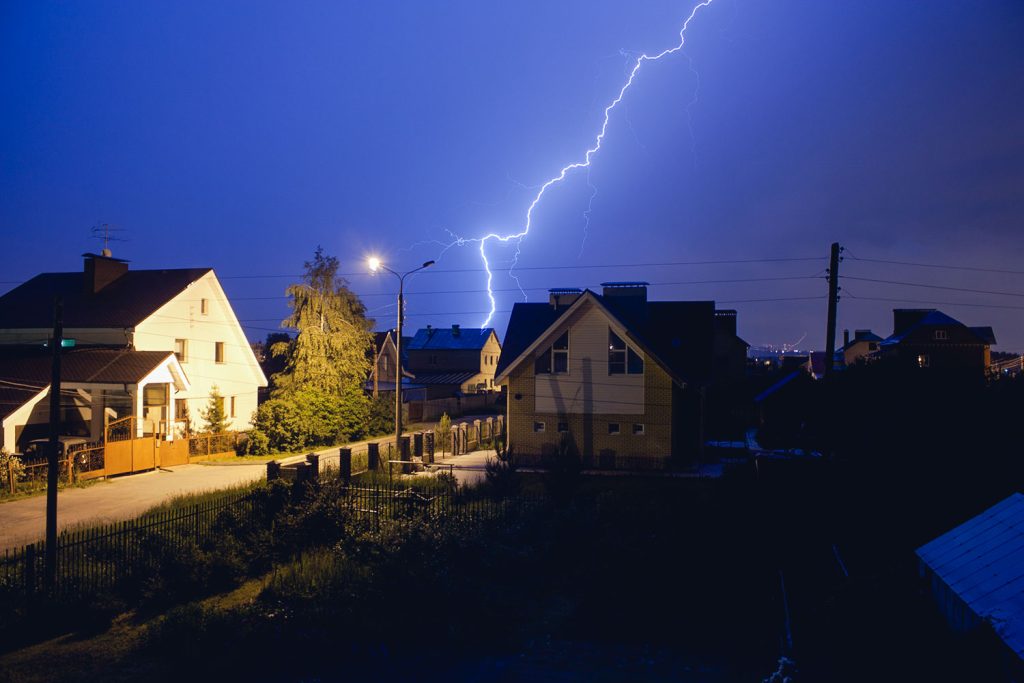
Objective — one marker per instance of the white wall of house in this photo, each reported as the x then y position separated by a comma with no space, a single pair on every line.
204,326
19,417
587,387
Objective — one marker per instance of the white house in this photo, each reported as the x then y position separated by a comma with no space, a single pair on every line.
181,313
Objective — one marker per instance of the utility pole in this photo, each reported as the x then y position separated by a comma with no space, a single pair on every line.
833,300
54,447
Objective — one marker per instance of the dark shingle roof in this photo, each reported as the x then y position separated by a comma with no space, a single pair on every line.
125,302
985,335
24,371
444,377
445,338
680,334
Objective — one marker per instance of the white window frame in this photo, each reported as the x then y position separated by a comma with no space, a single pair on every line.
614,429
941,335
539,426
639,429
183,356
204,307
219,352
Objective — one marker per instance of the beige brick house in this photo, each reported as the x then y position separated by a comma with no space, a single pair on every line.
618,375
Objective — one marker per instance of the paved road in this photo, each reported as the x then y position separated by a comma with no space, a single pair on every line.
24,521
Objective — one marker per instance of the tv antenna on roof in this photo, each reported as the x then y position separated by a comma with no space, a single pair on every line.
107,233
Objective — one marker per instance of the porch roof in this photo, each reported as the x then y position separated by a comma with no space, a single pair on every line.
25,371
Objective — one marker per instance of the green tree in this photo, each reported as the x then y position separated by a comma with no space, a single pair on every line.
214,418
329,352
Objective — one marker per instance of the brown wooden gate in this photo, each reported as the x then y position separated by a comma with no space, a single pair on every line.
171,453
130,455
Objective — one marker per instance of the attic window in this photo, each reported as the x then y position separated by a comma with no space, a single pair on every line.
204,306
941,335
554,360
622,359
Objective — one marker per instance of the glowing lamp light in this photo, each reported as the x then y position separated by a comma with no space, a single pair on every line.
374,263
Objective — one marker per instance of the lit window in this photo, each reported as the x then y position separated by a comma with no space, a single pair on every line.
621,358
613,428
180,349
538,426
218,352
638,429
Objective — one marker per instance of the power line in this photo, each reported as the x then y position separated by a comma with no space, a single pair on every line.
927,286
978,269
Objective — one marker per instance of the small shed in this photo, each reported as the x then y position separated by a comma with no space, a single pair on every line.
975,572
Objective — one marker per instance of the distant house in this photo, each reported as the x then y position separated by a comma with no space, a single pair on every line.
454,361
385,363
864,344
975,573
928,338
616,373
150,344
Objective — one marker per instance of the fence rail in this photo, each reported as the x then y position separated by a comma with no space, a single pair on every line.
98,559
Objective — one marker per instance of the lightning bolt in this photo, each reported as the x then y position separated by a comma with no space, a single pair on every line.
584,162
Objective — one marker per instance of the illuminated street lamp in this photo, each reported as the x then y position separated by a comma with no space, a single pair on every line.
376,266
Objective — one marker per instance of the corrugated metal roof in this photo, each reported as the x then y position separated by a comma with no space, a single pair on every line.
982,561
445,377
464,338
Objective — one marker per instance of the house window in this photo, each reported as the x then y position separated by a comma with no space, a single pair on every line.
218,352
563,427
154,395
941,335
232,413
613,428
923,361
621,358
433,360
181,350
204,306
181,409
638,429
384,363
554,360
538,427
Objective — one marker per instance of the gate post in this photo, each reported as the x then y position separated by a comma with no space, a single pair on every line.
314,466
403,455
373,456
345,464
273,470
428,447
417,444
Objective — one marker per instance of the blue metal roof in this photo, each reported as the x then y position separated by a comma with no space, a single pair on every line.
460,338
982,561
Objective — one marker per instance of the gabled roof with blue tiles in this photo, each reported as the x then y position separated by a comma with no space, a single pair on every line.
451,338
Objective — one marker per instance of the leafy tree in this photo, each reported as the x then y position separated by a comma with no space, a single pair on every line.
329,352
214,418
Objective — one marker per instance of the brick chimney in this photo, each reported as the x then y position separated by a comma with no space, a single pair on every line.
455,330
101,270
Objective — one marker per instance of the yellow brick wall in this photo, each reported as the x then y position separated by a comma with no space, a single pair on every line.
590,432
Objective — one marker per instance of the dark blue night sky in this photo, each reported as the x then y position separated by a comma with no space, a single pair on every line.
241,135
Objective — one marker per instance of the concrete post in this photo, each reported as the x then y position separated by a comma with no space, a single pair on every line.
314,466
273,470
404,454
428,447
417,444
345,464
476,433
373,456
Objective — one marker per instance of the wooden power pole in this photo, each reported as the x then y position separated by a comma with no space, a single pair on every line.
833,300
53,452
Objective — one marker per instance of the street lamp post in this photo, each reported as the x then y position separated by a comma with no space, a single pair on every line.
376,265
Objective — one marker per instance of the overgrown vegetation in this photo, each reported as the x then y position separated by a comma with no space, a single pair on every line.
215,418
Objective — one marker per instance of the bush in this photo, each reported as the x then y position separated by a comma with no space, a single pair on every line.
502,480
10,464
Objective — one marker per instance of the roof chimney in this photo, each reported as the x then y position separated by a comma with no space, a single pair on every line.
455,330
846,337
101,270
626,290
560,297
